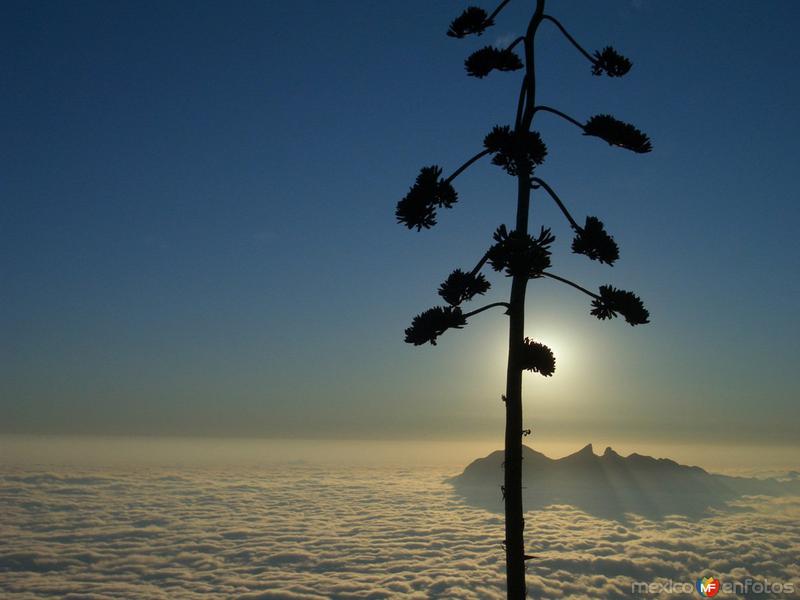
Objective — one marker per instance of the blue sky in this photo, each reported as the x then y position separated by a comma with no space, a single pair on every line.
197,228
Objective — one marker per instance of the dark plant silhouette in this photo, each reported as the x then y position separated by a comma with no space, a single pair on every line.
519,151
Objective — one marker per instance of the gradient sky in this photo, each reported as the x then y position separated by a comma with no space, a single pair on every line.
197,230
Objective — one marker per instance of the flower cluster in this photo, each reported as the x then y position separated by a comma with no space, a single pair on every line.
461,287
432,323
593,241
537,357
627,304
520,254
418,207
610,62
482,62
515,151
618,133
472,20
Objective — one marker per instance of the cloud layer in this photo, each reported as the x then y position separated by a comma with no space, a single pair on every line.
303,533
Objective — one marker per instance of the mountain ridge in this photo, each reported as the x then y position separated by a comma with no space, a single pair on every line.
614,483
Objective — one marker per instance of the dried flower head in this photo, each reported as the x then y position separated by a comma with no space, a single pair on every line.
610,62
593,241
627,304
617,133
538,358
461,287
432,323
418,207
515,151
520,254
440,191
482,62
472,20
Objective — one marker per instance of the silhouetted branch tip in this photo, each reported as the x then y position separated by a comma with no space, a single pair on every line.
520,254
418,207
432,323
413,211
472,20
482,62
461,287
538,358
593,241
618,133
610,62
516,152
627,304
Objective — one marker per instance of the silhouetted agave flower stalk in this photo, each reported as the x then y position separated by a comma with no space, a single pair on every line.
610,62
432,323
617,133
537,357
519,150
612,301
418,207
520,254
462,287
515,151
482,62
472,20
593,241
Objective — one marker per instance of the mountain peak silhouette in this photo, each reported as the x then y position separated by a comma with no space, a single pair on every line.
609,452
587,450
613,484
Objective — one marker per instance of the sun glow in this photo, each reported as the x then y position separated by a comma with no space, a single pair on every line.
560,346
564,348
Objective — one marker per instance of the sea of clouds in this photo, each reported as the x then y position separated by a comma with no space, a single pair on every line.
298,532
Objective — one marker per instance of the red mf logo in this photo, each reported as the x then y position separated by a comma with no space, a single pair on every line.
708,587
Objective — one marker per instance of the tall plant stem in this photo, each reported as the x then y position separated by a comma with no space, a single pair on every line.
515,522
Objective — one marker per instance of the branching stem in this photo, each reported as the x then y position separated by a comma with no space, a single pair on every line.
557,200
571,283
571,39
480,264
557,112
512,476
523,90
487,307
515,42
497,10
467,165
530,73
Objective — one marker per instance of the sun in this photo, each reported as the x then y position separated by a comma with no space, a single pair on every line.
559,343
563,346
